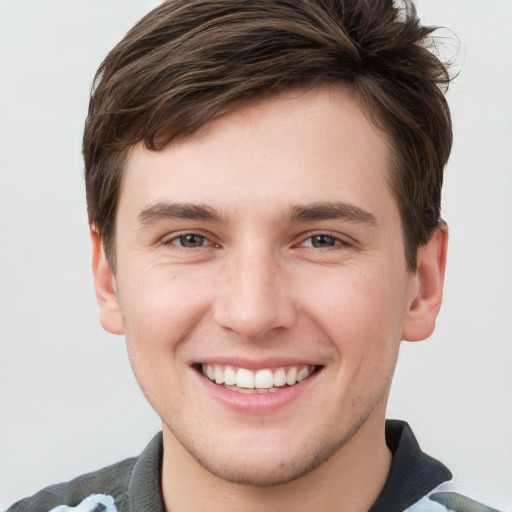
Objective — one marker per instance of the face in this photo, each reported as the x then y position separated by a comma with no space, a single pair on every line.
262,286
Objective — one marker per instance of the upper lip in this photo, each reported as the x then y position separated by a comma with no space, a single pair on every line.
256,364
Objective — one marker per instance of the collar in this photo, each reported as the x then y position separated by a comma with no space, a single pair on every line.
144,491
412,475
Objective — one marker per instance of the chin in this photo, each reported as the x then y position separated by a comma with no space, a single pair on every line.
265,464
263,473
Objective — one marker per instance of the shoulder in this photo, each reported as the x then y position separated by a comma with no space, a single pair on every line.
132,484
446,498
418,482
111,481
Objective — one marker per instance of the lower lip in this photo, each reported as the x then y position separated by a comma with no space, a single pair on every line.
255,403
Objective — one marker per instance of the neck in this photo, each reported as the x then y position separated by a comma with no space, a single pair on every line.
350,480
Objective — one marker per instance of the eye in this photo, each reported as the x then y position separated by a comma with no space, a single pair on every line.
322,241
189,240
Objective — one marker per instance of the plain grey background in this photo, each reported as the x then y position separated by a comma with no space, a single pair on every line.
68,401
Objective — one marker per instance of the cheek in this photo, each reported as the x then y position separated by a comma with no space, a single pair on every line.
160,308
160,311
361,312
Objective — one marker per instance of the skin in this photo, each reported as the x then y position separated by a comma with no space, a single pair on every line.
261,287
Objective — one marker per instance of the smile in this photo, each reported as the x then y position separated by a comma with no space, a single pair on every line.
264,380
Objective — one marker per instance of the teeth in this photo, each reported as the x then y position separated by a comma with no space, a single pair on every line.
219,375
280,377
261,381
229,376
244,378
303,374
291,376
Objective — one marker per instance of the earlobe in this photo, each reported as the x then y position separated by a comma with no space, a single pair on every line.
428,287
104,283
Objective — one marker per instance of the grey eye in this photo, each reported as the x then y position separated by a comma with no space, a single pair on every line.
191,240
323,241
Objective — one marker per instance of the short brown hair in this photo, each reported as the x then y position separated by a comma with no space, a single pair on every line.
190,61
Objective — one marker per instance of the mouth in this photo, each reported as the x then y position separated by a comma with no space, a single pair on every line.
263,380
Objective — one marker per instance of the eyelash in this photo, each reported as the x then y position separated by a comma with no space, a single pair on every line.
336,241
180,238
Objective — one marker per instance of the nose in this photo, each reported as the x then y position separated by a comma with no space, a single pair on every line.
254,298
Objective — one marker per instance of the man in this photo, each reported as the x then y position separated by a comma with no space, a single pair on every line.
263,183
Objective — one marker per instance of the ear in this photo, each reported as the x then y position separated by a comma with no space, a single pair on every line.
105,284
427,287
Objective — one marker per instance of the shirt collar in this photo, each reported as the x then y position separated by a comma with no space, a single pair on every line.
412,475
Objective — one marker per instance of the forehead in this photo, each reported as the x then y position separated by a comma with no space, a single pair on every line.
293,147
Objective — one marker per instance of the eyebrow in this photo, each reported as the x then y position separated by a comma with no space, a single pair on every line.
169,210
331,210
302,213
